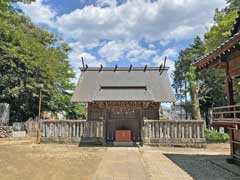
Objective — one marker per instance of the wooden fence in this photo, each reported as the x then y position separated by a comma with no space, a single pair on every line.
154,132
226,113
72,131
174,133
229,117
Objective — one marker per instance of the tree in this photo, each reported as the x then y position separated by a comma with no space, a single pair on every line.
32,59
182,66
194,89
184,74
220,31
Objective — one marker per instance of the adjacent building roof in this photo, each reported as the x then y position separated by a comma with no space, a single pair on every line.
123,84
214,56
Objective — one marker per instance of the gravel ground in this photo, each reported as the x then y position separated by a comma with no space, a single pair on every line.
206,167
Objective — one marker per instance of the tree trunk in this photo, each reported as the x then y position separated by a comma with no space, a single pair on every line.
195,102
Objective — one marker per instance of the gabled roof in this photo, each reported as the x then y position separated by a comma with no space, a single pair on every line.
216,54
123,84
226,47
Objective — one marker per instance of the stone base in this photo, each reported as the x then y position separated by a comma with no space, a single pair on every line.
125,144
176,142
19,133
81,141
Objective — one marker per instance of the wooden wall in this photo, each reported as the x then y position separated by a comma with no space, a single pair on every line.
99,110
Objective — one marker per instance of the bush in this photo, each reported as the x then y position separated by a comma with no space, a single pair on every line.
214,136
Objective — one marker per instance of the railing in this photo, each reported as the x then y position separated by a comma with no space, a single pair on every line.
174,132
226,113
71,129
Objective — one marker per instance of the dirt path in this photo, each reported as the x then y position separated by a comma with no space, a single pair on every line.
133,164
23,160
51,162
121,163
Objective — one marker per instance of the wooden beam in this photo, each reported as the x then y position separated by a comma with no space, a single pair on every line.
229,85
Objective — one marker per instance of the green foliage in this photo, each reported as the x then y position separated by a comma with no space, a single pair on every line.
182,66
191,77
32,59
212,82
212,89
214,136
221,30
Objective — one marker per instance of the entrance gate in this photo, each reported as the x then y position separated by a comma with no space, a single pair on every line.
123,119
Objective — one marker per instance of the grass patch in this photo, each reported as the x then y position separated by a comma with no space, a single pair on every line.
217,137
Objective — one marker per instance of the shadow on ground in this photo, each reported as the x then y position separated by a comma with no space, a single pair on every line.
206,167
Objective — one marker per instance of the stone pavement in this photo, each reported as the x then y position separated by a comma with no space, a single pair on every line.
121,163
160,167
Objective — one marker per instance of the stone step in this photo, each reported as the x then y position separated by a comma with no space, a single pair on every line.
124,144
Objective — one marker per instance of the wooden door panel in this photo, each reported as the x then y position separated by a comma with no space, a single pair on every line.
123,119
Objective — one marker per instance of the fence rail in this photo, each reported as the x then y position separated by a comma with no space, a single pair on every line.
226,113
155,132
64,130
174,132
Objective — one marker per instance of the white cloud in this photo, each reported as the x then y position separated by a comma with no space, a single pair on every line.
159,20
106,3
116,31
171,54
39,12
130,50
151,46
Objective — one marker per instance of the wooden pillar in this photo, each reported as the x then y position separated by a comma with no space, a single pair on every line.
229,86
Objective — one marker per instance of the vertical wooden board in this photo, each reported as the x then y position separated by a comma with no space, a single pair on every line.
175,131
231,135
153,130
161,130
80,129
66,129
236,135
182,131
77,129
198,130
202,129
70,129
55,129
74,129
51,130
179,130
190,130
44,129
149,130
98,126
62,129
59,129
92,129
145,130
157,129
102,129
169,129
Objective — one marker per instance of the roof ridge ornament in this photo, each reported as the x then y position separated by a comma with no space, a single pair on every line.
82,62
145,67
162,67
101,67
115,68
130,68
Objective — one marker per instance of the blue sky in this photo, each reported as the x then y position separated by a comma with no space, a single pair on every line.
124,32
